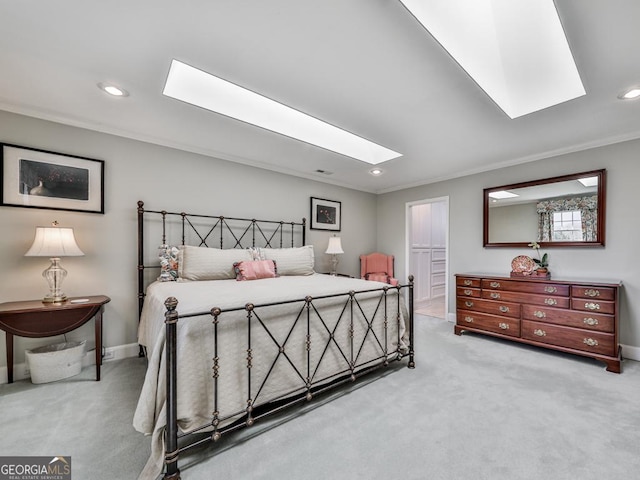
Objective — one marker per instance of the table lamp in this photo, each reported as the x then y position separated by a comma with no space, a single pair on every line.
54,242
334,249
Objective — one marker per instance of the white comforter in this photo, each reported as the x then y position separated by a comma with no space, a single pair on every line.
195,350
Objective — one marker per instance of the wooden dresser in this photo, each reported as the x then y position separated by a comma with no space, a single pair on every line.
579,317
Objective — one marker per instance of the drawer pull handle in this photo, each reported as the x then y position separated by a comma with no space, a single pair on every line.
468,291
550,289
495,284
504,308
591,342
503,326
468,282
592,306
539,314
494,295
468,319
468,304
550,301
591,321
540,333
591,292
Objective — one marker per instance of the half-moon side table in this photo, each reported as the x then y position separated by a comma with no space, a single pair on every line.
35,319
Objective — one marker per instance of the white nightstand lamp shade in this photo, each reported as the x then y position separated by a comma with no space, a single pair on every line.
54,242
334,249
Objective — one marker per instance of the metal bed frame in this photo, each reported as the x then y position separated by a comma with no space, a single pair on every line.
250,234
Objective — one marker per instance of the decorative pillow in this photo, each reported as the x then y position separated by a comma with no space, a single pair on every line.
202,263
378,277
168,256
292,261
255,269
256,253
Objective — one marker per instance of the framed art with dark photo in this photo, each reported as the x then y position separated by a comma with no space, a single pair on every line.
40,179
325,214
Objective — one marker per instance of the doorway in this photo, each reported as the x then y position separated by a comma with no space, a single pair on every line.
427,254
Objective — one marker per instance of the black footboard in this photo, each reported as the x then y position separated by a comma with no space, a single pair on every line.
378,333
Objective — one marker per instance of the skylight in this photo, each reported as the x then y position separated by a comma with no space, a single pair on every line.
501,194
515,50
202,89
589,181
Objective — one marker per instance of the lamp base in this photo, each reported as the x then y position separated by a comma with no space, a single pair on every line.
54,275
58,299
334,265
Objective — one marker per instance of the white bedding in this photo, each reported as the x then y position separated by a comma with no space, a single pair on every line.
195,345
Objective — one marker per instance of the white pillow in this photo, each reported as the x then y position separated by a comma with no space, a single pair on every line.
291,261
202,263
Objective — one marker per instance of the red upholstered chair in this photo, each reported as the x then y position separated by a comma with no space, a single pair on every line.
377,267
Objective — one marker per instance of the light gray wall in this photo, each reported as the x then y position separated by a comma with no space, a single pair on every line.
163,178
616,261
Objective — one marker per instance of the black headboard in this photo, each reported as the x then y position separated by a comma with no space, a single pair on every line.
216,231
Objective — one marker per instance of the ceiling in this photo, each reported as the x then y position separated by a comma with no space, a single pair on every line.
365,65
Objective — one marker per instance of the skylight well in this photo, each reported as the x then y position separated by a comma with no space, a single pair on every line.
515,50
202,89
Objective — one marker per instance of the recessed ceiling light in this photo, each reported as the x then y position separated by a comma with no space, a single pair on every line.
502,194
515,50
630,94
376,172
202,89
113,90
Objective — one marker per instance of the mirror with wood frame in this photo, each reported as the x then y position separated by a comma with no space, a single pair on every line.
564,211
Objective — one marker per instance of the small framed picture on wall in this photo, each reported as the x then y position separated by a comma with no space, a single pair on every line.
325,214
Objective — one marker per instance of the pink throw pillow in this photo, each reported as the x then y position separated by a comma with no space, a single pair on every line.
254,270
378,277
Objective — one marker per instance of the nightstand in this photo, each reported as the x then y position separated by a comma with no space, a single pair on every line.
35,319
338,274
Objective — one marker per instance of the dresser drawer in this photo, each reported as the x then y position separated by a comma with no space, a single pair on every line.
526,287
489,306
468,282
467,292
526,298
578,339
570,318
491,323
595,306
596,293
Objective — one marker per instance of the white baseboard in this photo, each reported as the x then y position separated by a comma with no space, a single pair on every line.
21,370
113,353
632,353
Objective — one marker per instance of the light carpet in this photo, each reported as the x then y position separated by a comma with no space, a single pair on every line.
474,408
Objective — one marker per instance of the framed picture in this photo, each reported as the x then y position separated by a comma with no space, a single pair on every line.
325,214
40,179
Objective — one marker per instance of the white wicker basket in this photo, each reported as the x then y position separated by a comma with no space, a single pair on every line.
55,362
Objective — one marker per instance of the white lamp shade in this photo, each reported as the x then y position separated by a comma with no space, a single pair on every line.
335,246
54,242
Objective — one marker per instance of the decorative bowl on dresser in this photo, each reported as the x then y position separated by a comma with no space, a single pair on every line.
579,317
